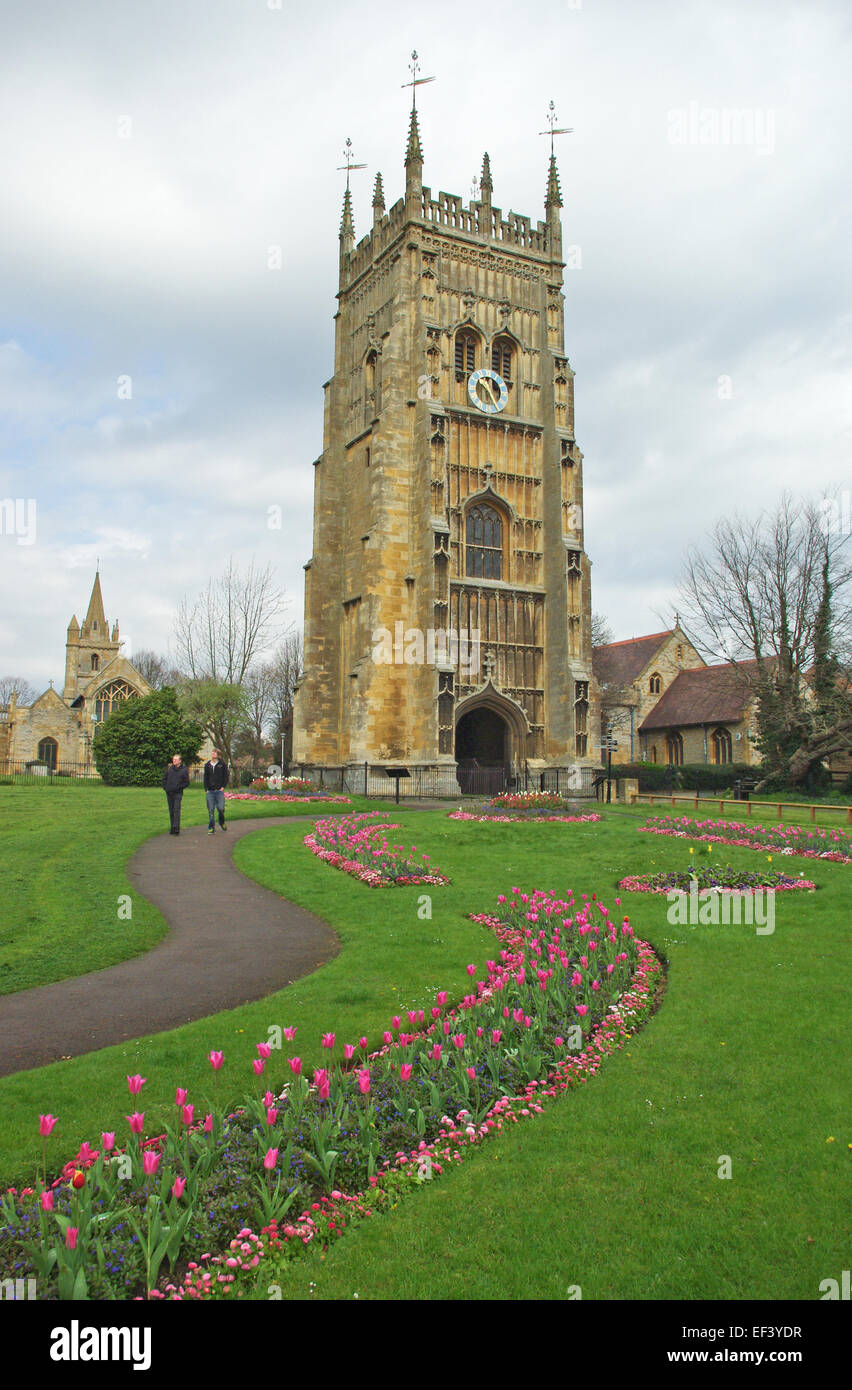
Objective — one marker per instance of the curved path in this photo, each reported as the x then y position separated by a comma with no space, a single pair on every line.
230,942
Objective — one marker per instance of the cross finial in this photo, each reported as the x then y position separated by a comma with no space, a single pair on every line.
553,128
414,68
474,188
349,156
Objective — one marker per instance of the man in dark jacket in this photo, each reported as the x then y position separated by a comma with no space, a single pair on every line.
215,782
175,782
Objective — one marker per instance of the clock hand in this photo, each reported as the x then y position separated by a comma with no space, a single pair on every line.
483,381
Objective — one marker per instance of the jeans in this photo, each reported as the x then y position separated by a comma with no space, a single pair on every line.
216,802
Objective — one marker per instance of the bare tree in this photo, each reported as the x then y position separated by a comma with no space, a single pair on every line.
775,593
259,687
156,669
287,666
230,625
26,693
601,631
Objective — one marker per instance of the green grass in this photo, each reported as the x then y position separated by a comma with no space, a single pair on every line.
615,1188
64,858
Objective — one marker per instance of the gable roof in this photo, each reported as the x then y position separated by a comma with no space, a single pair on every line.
704,695
619,663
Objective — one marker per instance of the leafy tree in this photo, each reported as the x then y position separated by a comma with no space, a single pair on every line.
133,746
220,707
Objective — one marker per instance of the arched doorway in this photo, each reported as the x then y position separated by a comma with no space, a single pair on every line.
482,735
490,742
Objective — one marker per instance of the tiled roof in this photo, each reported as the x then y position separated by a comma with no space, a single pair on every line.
704,695
619,663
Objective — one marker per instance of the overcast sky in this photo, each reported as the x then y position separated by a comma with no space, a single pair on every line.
151,154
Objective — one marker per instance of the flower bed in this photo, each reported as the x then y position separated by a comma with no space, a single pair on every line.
357,845
723,880
835,845
569,987
535,818
292,798
282,784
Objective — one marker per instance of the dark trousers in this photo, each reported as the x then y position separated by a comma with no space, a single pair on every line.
174,799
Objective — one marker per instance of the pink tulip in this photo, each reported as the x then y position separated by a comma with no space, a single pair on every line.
349,1051
320,1076
362,1043
187,1114
496,1035
108,1140
216,1059
270,1158
177,1187
208,1124
47,1201
46,1123
458,1040
180,1096
471,969
296,1066
435,1054
582,1009
150,1162
396,1021
289,1033
258,1063
327,1040
271,1115
135,1084
387,1038
136,1121
268,1099
86,1154
363,1082
71,1233
405,1071
441,998
263,1050
471,1071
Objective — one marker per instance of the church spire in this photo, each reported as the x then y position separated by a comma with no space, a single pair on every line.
554,192
95,620
414,150
347,226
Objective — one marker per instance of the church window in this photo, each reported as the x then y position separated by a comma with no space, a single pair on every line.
110,696
95,661
466,346
581,717
502,359
484,543
372,385
48,752
655,684
722,746
674,749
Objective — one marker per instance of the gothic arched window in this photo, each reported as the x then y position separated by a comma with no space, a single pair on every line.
723,751
503,359
674,749
484,542
467,344
95,661
48,752
112,695
655,684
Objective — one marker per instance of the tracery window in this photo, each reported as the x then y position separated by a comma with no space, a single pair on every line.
48,752
674,749
484,542
112,695
723,751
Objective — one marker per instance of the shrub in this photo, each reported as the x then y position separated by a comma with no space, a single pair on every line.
133,746
690,777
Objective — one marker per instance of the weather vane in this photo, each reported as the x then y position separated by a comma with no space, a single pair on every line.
349,156
554,129
414,68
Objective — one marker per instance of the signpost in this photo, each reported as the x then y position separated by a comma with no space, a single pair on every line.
608,745
397,773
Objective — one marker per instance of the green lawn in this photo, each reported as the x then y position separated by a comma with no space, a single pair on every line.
615,1188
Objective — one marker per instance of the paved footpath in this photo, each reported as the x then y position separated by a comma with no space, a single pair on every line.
230,942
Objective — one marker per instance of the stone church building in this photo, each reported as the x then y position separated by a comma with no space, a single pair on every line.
56,731
447,600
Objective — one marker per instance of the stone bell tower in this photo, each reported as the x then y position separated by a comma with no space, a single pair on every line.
447,600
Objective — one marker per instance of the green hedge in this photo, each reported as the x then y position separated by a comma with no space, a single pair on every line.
690,777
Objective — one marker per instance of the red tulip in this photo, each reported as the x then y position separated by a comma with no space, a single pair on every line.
78,1180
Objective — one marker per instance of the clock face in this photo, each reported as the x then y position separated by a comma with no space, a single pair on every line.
488,391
